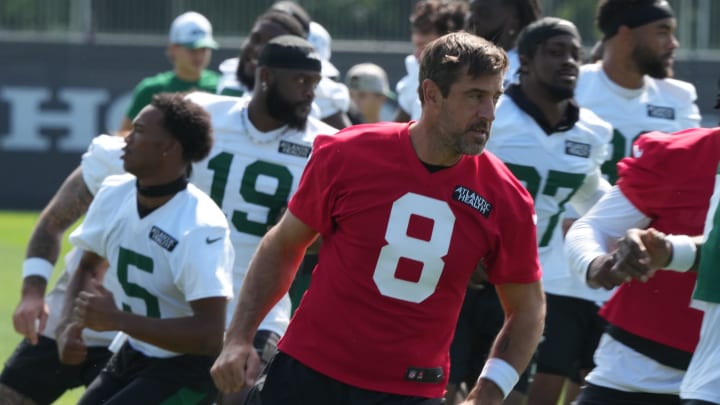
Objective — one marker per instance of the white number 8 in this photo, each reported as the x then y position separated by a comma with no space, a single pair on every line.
430,253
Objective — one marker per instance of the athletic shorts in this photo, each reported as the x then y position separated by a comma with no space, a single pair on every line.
597,395
36,371
288,381
481,318
131,377
572,332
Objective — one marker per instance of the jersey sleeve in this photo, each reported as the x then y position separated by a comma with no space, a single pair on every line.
91,234
204,268
331,97
313,201
516,259
101,160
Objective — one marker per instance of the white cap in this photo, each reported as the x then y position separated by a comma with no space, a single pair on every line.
320,39
192,30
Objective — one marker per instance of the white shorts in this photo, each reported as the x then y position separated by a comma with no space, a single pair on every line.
702,380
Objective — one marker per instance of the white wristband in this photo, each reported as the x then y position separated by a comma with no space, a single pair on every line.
683,253
36,266
501,373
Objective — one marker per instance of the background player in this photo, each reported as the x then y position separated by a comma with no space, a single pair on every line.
556,150
170,259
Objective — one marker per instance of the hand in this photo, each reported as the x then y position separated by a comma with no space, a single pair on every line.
601,273
30,316
95,309
485,392
71,347
644,251
236,367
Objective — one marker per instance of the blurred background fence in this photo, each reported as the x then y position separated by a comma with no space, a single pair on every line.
347,20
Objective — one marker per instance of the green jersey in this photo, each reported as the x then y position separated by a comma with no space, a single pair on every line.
168,82
708,280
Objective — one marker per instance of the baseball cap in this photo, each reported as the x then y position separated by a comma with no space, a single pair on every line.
320,39
192,30
368,77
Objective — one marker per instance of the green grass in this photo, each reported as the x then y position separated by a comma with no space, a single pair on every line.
15,228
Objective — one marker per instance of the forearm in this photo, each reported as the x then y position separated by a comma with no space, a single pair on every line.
188,335
90,268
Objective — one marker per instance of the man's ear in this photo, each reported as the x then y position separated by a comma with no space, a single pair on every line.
263,74
524,62
431,92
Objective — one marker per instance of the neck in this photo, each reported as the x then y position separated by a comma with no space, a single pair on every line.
151,195
622,70
423,138
259,117
553,111
187,75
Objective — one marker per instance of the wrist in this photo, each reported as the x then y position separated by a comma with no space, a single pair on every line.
682,253
37,266
501,373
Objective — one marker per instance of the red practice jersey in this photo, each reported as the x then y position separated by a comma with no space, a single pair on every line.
670,179
399,246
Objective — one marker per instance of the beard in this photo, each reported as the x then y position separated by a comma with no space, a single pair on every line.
558,93
649,63
247,81
283,110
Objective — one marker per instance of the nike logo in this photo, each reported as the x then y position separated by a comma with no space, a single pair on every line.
209,241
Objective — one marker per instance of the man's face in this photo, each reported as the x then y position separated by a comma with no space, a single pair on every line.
263,31
487,19
190,61
146,143
420,39
368,103
290,95
555,66
467,113
654,51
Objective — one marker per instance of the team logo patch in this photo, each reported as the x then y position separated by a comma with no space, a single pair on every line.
294,149
472,199
163,239
656,111
577,149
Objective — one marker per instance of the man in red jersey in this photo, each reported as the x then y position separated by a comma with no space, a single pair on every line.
652,331
407,212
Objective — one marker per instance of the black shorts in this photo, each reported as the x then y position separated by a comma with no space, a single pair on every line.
130,377
597,395
288,381
481,317
572,332
36,371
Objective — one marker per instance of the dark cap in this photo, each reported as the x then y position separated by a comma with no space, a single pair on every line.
539,31
290,52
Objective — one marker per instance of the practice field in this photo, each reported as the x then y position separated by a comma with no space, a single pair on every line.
15,228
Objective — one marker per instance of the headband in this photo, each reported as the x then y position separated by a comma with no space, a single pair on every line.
542,29
636,15
290,52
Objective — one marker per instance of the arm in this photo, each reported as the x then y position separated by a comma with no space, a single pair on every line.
69,203
591,238
269,276
71,348
524,306
199,334
649,250
401,116
338,120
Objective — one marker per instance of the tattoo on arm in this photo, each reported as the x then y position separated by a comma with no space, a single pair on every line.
70,202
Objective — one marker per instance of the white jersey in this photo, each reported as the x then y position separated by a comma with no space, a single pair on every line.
100,161
228,85
511,75
251,175
560,168
407,89
666,105
159,263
